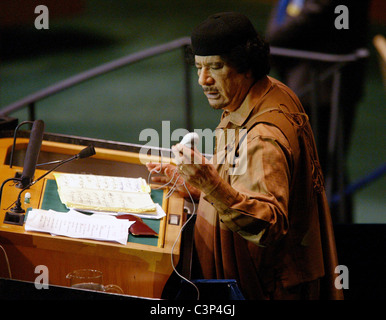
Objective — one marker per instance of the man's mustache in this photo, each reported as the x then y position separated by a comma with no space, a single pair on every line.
209,89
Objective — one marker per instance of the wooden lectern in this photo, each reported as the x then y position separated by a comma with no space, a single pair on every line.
141,267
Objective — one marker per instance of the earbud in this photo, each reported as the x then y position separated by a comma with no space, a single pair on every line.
189,139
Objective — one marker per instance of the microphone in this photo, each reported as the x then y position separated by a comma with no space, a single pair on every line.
32,154
86,152
15,216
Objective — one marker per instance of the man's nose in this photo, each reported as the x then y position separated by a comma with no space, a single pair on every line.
205,79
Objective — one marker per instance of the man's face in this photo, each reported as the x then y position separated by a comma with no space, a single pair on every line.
224,87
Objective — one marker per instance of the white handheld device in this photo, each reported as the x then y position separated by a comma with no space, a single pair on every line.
190,139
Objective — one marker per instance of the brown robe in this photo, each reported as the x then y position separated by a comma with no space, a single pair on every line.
266,223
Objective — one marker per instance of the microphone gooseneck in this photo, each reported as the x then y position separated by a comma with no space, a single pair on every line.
32,154
85,153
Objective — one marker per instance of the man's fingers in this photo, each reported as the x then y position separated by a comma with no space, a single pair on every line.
160,179
151,165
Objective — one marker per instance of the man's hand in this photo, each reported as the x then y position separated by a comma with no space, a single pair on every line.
169,175
195,168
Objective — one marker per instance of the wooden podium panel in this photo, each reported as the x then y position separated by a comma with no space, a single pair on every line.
139,269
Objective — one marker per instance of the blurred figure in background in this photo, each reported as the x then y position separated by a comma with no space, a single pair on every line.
310,25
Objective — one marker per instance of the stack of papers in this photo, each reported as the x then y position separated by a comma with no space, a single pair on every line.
104,193
77,225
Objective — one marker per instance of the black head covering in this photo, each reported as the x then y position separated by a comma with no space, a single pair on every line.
221,32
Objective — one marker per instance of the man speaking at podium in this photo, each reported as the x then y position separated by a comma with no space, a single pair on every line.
268,226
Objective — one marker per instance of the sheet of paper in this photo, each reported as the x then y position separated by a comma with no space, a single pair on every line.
105,193
107,200
159,214
77,225
96,182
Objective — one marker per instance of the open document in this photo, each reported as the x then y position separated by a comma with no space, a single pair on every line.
77,225
105,193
